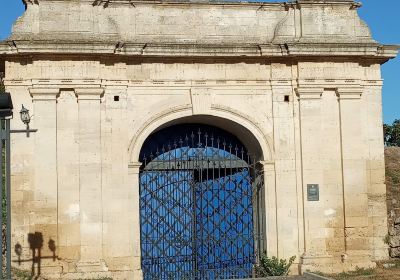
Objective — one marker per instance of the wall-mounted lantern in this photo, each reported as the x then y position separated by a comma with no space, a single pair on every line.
25,118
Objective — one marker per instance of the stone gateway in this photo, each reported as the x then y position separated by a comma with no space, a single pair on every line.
183,139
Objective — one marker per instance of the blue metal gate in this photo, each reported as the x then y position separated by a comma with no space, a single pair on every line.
196,207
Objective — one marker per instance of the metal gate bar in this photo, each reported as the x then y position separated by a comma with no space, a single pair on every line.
196,209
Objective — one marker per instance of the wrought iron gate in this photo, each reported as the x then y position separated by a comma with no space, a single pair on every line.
196,206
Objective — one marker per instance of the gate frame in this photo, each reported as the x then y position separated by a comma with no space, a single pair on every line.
248,132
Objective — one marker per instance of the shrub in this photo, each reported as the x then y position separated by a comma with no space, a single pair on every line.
273,266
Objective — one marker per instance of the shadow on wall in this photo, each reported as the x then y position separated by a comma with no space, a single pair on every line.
36,245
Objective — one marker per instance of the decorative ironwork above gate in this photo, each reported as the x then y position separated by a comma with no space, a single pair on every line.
197,195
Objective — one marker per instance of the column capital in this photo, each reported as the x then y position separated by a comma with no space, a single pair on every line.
89,93
268,165
134,167
44,93
309,92
349,92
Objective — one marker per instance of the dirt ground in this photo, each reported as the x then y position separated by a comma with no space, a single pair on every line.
379,274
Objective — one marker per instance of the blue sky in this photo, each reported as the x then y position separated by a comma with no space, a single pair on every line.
381,15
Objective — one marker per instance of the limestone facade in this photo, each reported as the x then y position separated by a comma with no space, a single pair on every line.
299,83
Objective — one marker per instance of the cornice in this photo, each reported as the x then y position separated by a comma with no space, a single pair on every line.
88,93
106,3
268,166
290,50
5,48
327,2
44,93
134,167
93,84
331,83
309,93
350,92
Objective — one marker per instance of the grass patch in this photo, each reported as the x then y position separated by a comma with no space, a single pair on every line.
21,274
392,264
364,272
357,272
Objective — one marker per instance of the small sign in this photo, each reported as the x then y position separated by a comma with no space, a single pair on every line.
312,192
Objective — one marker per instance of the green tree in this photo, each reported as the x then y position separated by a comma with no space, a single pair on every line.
392,134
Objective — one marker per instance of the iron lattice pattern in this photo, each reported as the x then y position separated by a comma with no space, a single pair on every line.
196,207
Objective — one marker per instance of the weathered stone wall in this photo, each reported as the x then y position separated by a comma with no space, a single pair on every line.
312,104
392,159
318,112
191,22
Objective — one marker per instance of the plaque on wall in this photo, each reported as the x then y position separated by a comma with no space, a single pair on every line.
312,192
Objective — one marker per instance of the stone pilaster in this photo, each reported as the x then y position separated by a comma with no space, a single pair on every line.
271,224
133,178
68,177
354,152
377,212
285,170
310,109
90,192
43,212
119,191
45,118
321,165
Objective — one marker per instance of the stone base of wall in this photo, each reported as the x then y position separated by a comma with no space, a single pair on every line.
115,275
81,275
64,269
394,235
334,264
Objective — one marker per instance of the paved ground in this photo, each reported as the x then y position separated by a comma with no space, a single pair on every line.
307,276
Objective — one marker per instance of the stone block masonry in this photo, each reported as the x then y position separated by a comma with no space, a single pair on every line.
298,83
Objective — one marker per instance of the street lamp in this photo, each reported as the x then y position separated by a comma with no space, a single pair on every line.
25,118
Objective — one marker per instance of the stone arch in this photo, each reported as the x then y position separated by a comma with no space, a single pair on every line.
246,129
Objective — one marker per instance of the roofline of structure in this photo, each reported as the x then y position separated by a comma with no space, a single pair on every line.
107,3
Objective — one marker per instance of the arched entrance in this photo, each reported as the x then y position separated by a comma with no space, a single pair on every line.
199,205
